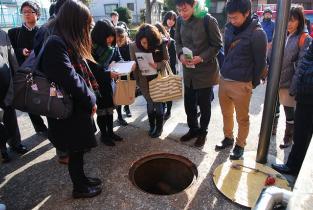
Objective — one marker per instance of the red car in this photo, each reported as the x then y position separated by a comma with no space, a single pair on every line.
308,14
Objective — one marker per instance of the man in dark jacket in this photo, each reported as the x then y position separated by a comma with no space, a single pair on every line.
200,71
268,25
303,129
22,39
9,131
245,50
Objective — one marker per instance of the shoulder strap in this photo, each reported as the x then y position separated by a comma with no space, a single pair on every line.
302,39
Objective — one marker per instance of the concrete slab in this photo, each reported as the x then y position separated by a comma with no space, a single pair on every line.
36,180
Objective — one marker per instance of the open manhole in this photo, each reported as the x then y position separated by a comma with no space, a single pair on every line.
163,174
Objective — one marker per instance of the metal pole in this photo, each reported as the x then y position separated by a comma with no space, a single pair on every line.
273,81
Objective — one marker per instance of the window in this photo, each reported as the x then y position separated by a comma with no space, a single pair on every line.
131,6
109,8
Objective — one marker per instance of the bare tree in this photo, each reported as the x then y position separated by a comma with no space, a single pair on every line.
149,4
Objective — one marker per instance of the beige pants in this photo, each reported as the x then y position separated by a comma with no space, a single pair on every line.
235,95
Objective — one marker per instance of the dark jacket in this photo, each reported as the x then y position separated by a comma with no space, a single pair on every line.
269,27
8,65
41,35
292,55
102,75
192,34
22,38
245,53
77,132
305,78
124,51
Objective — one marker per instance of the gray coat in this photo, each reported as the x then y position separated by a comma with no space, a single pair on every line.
292,55
8,56
143,81
192,34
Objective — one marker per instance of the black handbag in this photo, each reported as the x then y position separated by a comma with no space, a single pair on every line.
35,94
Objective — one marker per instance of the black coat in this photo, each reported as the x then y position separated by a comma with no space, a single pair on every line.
105,99
77,132
103,78
22,38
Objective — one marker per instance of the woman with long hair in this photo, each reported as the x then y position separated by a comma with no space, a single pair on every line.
297,43
169,22
149,40
64,62
105,53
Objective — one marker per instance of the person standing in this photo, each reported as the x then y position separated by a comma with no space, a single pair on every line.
303,129
296,44
9,130
149,40
114,19
64,62
22,39
245,50
191,33
105,53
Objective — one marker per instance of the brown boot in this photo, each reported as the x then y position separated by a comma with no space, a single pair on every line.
275,123
288,136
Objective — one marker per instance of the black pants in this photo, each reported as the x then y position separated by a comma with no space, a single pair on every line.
201,98
76,170
302,135
3,137
38,123
11,126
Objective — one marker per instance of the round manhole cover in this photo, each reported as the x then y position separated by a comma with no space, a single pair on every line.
163,174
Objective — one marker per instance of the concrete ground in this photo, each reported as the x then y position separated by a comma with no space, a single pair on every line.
36,180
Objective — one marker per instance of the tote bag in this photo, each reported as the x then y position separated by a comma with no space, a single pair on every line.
167,87
124,93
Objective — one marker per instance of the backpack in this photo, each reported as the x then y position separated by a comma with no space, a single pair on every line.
220,55
302,39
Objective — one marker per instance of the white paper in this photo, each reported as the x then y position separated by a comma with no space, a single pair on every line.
143,60
188,55
122,67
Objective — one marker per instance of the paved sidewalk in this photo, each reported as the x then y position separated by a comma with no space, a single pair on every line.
36,180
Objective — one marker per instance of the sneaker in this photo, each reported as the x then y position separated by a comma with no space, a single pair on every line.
122,122
188,136
93,181
236,153
227,142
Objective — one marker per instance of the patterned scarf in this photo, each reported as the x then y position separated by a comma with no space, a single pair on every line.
83,69
102,55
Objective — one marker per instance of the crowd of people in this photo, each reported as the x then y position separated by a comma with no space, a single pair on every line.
77,54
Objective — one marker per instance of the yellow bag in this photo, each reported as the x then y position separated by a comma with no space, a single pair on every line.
167,87
124,93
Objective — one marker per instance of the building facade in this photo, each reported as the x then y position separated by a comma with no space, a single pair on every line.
102,8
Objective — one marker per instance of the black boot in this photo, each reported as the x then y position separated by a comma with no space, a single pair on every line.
111,134
159,127
103,123
127,111
120,119
167,115
151,118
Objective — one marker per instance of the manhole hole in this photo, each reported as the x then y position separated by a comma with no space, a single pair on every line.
163,174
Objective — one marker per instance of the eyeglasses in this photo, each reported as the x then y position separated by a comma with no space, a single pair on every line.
28,12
